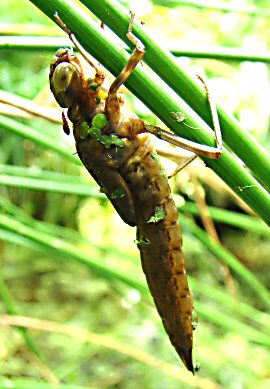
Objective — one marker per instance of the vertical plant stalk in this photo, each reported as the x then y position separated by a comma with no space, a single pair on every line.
113,14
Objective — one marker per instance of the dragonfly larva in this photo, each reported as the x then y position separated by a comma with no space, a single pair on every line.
117,151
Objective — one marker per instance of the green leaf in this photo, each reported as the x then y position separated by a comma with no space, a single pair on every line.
99,121
159,215
118,194
83,130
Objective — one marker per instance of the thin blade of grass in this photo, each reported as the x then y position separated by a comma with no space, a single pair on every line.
12,309
246,222
38,137
218,296
39,240
50,44
224,255
20,383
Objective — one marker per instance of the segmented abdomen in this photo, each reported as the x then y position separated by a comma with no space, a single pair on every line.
135,169
160,245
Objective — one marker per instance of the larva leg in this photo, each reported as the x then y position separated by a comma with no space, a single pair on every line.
213,109
100,75
203,150
113,103
181,161
133,61
182,165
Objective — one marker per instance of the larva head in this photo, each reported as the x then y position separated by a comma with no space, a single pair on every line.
65,77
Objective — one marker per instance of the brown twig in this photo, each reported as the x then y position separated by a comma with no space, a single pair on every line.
30,107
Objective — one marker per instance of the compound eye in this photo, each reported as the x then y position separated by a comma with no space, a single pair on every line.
62,76
63,83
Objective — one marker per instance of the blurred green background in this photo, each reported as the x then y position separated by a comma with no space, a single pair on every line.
66,256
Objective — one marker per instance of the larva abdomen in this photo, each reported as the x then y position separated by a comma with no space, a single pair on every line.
159,240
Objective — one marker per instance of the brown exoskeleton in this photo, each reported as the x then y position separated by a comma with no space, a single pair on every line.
117,151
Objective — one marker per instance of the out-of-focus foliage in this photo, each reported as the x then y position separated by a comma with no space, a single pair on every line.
44,279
